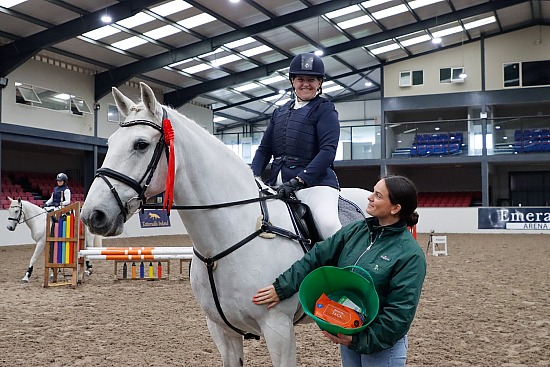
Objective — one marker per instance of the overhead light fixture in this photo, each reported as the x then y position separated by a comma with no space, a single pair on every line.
3,82
318,52
368,83
106,18
436,40
463,75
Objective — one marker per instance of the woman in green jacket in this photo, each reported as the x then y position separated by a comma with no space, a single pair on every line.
384,247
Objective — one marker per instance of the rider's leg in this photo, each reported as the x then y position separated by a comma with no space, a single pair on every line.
323,203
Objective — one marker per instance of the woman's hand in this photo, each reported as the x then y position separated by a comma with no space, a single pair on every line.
338,339
267,296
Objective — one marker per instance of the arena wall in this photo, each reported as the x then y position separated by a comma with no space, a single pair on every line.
439,220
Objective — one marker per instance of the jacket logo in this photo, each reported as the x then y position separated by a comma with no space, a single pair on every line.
385,258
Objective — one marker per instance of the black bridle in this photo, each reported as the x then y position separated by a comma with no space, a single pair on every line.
18,219
139,186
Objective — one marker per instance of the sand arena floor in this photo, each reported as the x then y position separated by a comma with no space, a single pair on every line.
486,304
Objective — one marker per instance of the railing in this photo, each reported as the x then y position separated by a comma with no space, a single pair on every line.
416,140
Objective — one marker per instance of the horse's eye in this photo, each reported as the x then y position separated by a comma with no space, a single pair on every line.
141,145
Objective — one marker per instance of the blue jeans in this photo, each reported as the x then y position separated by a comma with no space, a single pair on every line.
396,356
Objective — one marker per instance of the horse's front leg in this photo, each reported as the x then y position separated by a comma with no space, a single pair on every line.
278,331
230,344
37,251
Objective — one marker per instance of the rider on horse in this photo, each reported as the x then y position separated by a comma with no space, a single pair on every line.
61,195
302,137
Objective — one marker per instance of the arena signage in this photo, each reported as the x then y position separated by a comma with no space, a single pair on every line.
514,218
153,218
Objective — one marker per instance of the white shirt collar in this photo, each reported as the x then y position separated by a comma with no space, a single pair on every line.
299,104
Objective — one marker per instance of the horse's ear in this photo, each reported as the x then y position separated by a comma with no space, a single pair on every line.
148,98
10,199
19,200
123,103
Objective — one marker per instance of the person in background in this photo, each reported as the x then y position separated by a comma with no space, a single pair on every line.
61,195
383,246
302,137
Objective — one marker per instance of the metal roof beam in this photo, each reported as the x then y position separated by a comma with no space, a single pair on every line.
180,97
105,80
14,54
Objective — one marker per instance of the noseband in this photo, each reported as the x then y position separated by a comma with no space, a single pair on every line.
18,219
139,186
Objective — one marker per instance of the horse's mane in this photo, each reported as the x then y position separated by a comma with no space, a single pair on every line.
211,140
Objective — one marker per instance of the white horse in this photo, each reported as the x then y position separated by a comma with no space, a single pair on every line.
22,211
232,258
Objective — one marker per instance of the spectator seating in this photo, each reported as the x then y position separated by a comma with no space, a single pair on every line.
531,140
437,144
33,187
447,199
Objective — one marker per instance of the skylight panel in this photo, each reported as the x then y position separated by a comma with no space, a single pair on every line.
241,42
480,22
196,20
100,33
344,11
249,86
420,3
129,43
415,40
225,60
333,89
354,22
448,31
180,62
10,3
282,101
394,10
218,119
197,68
170,8
63,96
256,51
136,20
388,48
371,3
216,51
272,80
162,32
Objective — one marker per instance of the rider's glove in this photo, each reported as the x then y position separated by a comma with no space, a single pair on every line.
289,187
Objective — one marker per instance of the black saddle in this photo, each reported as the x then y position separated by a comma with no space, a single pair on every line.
348,212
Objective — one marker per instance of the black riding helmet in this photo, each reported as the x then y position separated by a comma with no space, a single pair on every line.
61,177
307,64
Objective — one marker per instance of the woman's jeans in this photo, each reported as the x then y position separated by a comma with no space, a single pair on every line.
396,356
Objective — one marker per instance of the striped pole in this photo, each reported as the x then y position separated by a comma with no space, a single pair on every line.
139,257
136,251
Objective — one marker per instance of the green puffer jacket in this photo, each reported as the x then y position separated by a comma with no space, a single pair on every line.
394,260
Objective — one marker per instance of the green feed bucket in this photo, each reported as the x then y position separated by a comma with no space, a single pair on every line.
353,282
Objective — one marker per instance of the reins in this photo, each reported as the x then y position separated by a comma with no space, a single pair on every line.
264,195
19,221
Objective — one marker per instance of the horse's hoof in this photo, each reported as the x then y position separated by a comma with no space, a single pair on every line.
88,272
24,280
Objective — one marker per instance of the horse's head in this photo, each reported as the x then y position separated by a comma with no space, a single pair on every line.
15,213
134,168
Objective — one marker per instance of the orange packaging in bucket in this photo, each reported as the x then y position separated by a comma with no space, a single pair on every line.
336,313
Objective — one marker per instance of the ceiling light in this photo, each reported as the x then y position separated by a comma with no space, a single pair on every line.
463,75
368,83
234,1
436,40
319,52
106,19
282,91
